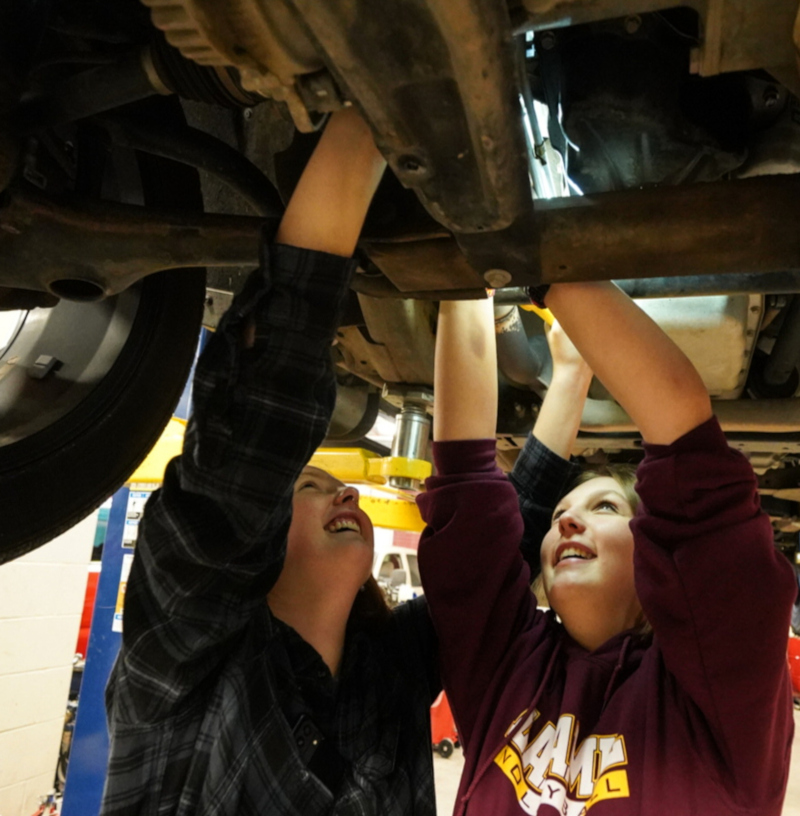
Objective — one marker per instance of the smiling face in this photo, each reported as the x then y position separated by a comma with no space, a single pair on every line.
330,537
587,559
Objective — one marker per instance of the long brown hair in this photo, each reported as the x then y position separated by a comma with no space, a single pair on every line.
370,612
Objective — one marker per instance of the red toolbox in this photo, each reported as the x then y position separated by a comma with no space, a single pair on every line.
794,664
444,736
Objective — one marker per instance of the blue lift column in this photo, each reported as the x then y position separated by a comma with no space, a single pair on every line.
86,771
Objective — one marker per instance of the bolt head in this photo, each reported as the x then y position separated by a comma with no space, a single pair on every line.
548,40
632,24
771,96
497,278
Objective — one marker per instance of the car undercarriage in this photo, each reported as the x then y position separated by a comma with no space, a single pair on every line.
530,142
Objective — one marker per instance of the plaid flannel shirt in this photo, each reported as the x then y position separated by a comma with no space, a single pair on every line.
207,686
540,478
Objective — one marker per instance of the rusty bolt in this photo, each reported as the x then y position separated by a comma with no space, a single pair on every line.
548,40
497,278
632,24
771,96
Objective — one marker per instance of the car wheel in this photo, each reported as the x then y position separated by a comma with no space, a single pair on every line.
87,387
71,437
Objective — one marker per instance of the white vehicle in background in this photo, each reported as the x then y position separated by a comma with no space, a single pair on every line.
395,569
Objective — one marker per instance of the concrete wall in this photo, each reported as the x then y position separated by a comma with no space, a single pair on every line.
41,600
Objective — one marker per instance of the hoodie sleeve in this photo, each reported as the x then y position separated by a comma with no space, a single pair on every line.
476,582
719,597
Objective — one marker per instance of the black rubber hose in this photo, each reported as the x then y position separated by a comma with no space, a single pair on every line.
197,149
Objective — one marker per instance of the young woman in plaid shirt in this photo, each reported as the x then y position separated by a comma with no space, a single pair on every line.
255,677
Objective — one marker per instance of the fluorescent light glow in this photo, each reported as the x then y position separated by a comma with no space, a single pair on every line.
382,431
9,321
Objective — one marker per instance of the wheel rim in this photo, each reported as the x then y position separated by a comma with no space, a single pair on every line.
83,340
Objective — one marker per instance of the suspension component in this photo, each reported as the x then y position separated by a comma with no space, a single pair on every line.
412,430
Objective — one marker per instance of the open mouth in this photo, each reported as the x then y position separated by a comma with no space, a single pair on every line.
340,524
571,552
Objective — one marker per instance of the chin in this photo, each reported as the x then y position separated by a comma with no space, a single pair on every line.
562,593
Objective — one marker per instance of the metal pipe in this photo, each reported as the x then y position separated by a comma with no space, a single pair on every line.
785,355
190,146
410,441
515,356
719,228
773,283
714,228
768,416
535,142
96,249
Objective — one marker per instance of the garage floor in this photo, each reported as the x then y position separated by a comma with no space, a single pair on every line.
448,772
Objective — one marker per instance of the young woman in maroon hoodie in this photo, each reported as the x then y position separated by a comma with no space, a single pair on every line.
586,710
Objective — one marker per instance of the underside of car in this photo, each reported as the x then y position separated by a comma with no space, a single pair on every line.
145,147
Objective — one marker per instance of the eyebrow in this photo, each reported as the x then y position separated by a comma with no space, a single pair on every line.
599,494
311,472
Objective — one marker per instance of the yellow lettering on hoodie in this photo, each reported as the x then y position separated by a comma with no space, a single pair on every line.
549,768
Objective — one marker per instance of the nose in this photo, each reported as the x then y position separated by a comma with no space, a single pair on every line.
347,494
570,524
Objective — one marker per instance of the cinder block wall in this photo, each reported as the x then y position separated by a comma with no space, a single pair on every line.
41,600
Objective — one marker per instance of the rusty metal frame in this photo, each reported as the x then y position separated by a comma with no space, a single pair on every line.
748,225
90,250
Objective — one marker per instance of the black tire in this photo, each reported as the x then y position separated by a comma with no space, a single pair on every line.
445,748
53,478
66,447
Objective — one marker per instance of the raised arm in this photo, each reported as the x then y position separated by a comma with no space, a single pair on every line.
476,584
542,472
213,538
465,374
559,417
329,204
647,373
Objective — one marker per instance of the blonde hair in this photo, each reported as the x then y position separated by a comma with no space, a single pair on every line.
624,475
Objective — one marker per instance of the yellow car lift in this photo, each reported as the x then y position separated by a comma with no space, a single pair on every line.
398,511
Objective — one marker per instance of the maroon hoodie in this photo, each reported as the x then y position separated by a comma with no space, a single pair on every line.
696,719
